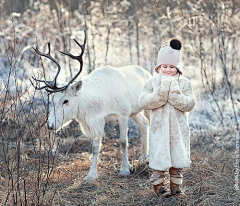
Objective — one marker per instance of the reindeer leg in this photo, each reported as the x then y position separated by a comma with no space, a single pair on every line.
92,175
142,121
123,126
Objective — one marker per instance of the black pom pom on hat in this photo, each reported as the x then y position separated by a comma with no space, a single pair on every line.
175,44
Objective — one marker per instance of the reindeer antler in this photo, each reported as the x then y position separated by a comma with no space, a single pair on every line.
51,86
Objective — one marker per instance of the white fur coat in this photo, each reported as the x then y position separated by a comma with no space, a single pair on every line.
169,137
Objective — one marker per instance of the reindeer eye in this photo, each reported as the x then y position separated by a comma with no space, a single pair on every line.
65,101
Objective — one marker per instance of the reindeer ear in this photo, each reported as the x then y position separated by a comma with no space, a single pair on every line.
76,87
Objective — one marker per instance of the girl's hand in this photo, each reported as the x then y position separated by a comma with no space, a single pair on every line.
165,85
181,99
174,88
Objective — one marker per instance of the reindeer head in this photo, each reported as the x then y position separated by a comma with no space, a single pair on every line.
62,103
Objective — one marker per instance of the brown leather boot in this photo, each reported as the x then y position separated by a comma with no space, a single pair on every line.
157,180
176,180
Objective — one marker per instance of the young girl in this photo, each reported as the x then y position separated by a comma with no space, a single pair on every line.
169,96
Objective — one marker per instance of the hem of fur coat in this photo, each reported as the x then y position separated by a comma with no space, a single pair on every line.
167,168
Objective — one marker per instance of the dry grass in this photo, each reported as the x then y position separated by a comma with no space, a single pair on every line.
209,181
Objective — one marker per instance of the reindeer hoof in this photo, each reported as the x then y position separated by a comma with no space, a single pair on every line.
90,177
125,171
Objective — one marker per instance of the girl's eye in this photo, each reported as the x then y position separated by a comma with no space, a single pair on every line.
65,101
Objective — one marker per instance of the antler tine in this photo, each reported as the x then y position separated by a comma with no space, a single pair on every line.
50,84
56,90
47,83
38,80
79,57
82,46
37,88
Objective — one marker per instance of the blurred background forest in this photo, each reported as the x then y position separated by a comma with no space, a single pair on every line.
129,32
119,32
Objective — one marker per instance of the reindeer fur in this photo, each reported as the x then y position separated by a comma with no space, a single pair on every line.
107,94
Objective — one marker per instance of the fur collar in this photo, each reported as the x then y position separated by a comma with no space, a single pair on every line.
158,77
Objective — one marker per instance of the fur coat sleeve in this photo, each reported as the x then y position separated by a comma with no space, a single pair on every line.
181,99
152,99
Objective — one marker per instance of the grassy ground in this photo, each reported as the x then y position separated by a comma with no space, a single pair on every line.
209,181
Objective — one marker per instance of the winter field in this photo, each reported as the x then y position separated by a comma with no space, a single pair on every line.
42,167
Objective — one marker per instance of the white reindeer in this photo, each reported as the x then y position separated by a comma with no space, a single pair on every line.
105,95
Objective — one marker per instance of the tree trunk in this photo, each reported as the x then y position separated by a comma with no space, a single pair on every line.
129,41
86,28
137,42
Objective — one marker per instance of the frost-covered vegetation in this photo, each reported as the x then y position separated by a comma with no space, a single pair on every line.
119,32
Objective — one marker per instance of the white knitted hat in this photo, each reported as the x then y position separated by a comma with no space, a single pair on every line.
170,54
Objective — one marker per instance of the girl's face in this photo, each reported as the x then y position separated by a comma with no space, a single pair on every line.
168,69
